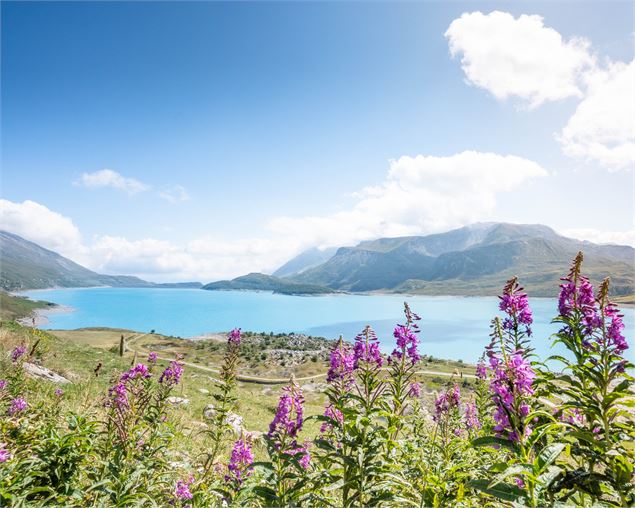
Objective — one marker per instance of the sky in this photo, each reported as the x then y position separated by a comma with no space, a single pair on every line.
199,141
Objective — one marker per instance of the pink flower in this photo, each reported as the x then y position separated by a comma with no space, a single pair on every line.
152,357
289,415
172,374
415,390
4,453
182,489
138,371
234,337
18,405
241,458
59,392
333,413
17,353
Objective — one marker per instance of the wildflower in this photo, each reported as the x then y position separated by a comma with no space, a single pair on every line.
366,349
447,401
234,337
407,342
3,384
415,390
152,357
5,455
138,371
59,392
118,396
182,489
17,405
342,364
481,370
172,374
305,456
289,415
17,353
241,458
470,417
335,414
614,330
511,384
576,295
516,305
520,482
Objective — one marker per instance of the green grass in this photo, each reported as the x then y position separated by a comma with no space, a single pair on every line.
16,307
76,354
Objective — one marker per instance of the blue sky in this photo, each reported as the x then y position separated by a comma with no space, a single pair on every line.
239,134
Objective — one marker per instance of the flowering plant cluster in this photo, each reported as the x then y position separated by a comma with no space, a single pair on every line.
519,432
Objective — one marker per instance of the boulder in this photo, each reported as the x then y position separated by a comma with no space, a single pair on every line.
178,401
40,372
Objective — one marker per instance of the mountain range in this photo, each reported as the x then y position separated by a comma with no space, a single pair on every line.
26,265
472,260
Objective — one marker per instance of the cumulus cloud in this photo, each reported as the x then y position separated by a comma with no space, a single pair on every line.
602,129
601,236
37,223
110,178
422,194
176,194
518,57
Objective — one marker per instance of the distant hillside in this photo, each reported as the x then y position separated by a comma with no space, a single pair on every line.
474,260
304,261
26,265
261,282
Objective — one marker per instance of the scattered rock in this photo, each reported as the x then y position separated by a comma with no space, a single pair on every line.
253,435
43,373
178,401
233,420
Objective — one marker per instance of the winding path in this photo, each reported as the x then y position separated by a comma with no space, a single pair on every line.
277,381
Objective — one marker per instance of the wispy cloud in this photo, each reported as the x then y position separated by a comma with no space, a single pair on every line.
176,194
110,178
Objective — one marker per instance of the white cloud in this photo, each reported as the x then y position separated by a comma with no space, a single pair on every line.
518,57
602,129
422,194
601,236
176,194
110,178
37,223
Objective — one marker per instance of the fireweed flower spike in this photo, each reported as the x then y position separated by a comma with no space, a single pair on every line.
241,458
289,415
341,364
172,374
366,349
17,406
17,353
4,453
182,489
234,337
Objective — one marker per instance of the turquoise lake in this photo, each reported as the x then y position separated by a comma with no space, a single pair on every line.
451,327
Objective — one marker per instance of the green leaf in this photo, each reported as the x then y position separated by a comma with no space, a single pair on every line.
500,491
495,441
548,455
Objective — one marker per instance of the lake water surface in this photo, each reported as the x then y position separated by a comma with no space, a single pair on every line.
451,327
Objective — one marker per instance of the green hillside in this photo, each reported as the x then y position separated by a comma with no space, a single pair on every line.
262,282
474,260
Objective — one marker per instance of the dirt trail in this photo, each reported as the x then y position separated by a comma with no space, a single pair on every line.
275,381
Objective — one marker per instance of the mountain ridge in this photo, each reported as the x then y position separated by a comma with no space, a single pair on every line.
27,265
473,259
